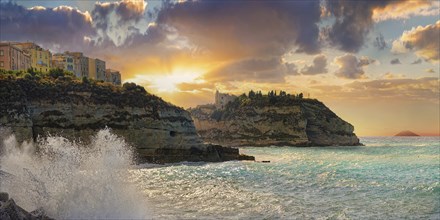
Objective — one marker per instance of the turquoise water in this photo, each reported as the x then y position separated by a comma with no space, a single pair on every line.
389,178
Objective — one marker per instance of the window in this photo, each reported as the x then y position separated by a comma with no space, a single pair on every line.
1,53
2,64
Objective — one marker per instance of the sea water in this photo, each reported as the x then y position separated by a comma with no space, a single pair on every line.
388,178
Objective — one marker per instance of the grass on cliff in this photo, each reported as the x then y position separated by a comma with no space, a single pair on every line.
62,86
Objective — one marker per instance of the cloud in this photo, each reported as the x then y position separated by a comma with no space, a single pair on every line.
353,23
380,42
418,61
259,28
270,70
116,21
291,69
48,26
430,70
389,75
355,19
395,61
189,87
319,66
386,89
351,67
422,40
406,9
246,39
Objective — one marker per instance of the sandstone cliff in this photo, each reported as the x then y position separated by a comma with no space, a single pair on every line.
161,132
265,121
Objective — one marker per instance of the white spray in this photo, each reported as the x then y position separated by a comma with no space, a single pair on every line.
72,180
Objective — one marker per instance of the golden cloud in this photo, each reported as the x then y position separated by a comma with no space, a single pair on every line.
406,9
423,40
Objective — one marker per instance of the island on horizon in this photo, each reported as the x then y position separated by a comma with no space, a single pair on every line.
406,133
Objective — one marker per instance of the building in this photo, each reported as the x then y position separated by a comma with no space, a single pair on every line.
113,76
96,69
92,68
81,64
13,57
63,61
100,69
221,99
40,58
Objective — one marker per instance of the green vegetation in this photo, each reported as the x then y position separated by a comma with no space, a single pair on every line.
62,86
257,99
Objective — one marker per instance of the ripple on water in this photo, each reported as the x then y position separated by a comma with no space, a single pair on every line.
393,182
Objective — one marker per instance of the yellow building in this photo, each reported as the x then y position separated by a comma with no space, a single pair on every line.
40,58
92,68
63,61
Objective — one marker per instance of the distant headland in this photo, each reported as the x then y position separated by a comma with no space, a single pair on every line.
278,118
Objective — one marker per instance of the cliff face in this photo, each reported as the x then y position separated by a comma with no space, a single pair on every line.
160,132
301,122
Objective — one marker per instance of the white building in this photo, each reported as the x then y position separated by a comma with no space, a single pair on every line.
221,99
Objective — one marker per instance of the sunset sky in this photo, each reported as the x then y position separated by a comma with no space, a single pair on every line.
374,63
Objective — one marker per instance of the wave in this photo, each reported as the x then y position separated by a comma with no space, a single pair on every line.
69,179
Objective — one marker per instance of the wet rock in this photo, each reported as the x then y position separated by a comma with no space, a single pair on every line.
9,210
4,197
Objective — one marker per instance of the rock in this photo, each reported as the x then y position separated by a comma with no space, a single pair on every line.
160,131
40,214
246,157
4,197
290,122
11,211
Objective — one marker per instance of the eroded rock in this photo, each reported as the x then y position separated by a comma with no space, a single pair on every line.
288,122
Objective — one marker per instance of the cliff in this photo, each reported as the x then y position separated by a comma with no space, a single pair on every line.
160,132
278,120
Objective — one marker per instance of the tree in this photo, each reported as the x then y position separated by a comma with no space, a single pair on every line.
56,73
133,87
251,94
85,80
300,96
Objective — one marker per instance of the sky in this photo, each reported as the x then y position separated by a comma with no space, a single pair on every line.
374,63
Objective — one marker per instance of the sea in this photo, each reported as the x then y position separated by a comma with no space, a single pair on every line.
387,178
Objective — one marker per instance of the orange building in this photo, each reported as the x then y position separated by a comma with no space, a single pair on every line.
13,57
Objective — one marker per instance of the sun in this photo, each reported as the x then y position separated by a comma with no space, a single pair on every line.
168,83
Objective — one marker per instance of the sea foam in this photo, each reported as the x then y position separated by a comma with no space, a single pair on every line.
71,179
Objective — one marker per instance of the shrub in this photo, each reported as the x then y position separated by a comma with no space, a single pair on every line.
28,76
56,73
85,80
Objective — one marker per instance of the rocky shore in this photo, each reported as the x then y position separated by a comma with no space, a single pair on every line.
160,131
11,211
278,120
